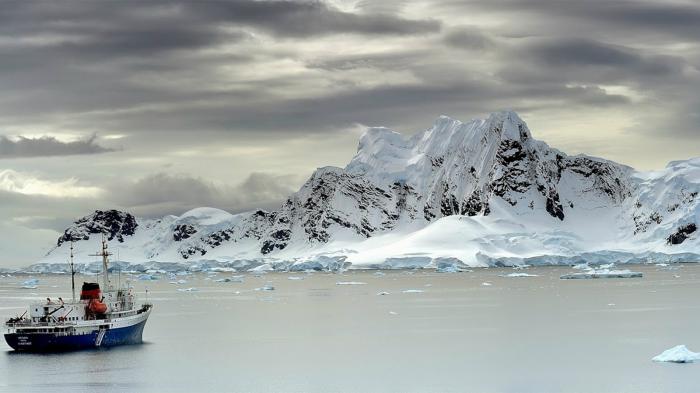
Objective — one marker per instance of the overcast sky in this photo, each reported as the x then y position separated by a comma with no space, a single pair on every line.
160,107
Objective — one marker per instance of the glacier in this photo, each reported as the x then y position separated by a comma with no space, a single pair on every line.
459,194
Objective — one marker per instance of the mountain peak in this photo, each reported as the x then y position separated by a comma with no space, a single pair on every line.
511,125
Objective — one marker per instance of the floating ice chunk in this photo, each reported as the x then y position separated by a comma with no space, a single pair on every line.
266,287
518,275
661,264
581,266
31,281
223,280
412,291
147,277
295,278
677,354
382,293
237,278
602,273
350,283
486,284
28,287
187,289
393,313
379,273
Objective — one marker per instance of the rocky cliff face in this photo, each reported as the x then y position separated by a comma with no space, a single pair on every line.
113,223
490,171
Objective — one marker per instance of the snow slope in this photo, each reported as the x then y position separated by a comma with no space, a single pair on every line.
479,193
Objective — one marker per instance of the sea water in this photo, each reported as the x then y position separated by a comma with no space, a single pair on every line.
404,331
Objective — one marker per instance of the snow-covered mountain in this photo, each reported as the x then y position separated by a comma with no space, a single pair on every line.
477,193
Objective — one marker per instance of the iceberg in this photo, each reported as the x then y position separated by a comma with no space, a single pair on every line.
602,273
350,283
519,275
31,282
677,354
187,289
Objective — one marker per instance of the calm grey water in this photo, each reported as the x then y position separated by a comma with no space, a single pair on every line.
532,334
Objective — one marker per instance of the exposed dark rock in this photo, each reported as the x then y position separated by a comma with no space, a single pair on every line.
682,233
114,224
183,231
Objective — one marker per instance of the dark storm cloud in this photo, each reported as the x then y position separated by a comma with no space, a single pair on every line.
138,26
467,37
302,19
678,19
162,193
582,52
47,146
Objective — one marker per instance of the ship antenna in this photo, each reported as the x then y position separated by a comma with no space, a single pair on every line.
72,270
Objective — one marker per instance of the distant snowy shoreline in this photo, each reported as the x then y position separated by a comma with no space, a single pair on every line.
339,263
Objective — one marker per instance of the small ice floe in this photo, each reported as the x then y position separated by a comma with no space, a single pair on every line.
519,275
295,278
412,291
266,287
382,293
602,273
31,282
28,287
187,289
520,267
611,304
223,280
393,313
178,282
662,264
379,273
350,283
147,277
486,284
677,354
581,266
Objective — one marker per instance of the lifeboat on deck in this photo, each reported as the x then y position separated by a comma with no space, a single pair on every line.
97,306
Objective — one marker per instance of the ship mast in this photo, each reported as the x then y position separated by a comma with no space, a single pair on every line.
105,262
72,270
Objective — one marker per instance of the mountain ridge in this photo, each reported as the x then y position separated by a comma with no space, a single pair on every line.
507,194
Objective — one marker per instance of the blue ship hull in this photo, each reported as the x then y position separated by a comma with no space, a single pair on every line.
50,342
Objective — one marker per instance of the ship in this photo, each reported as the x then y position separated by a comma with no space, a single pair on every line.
102,317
